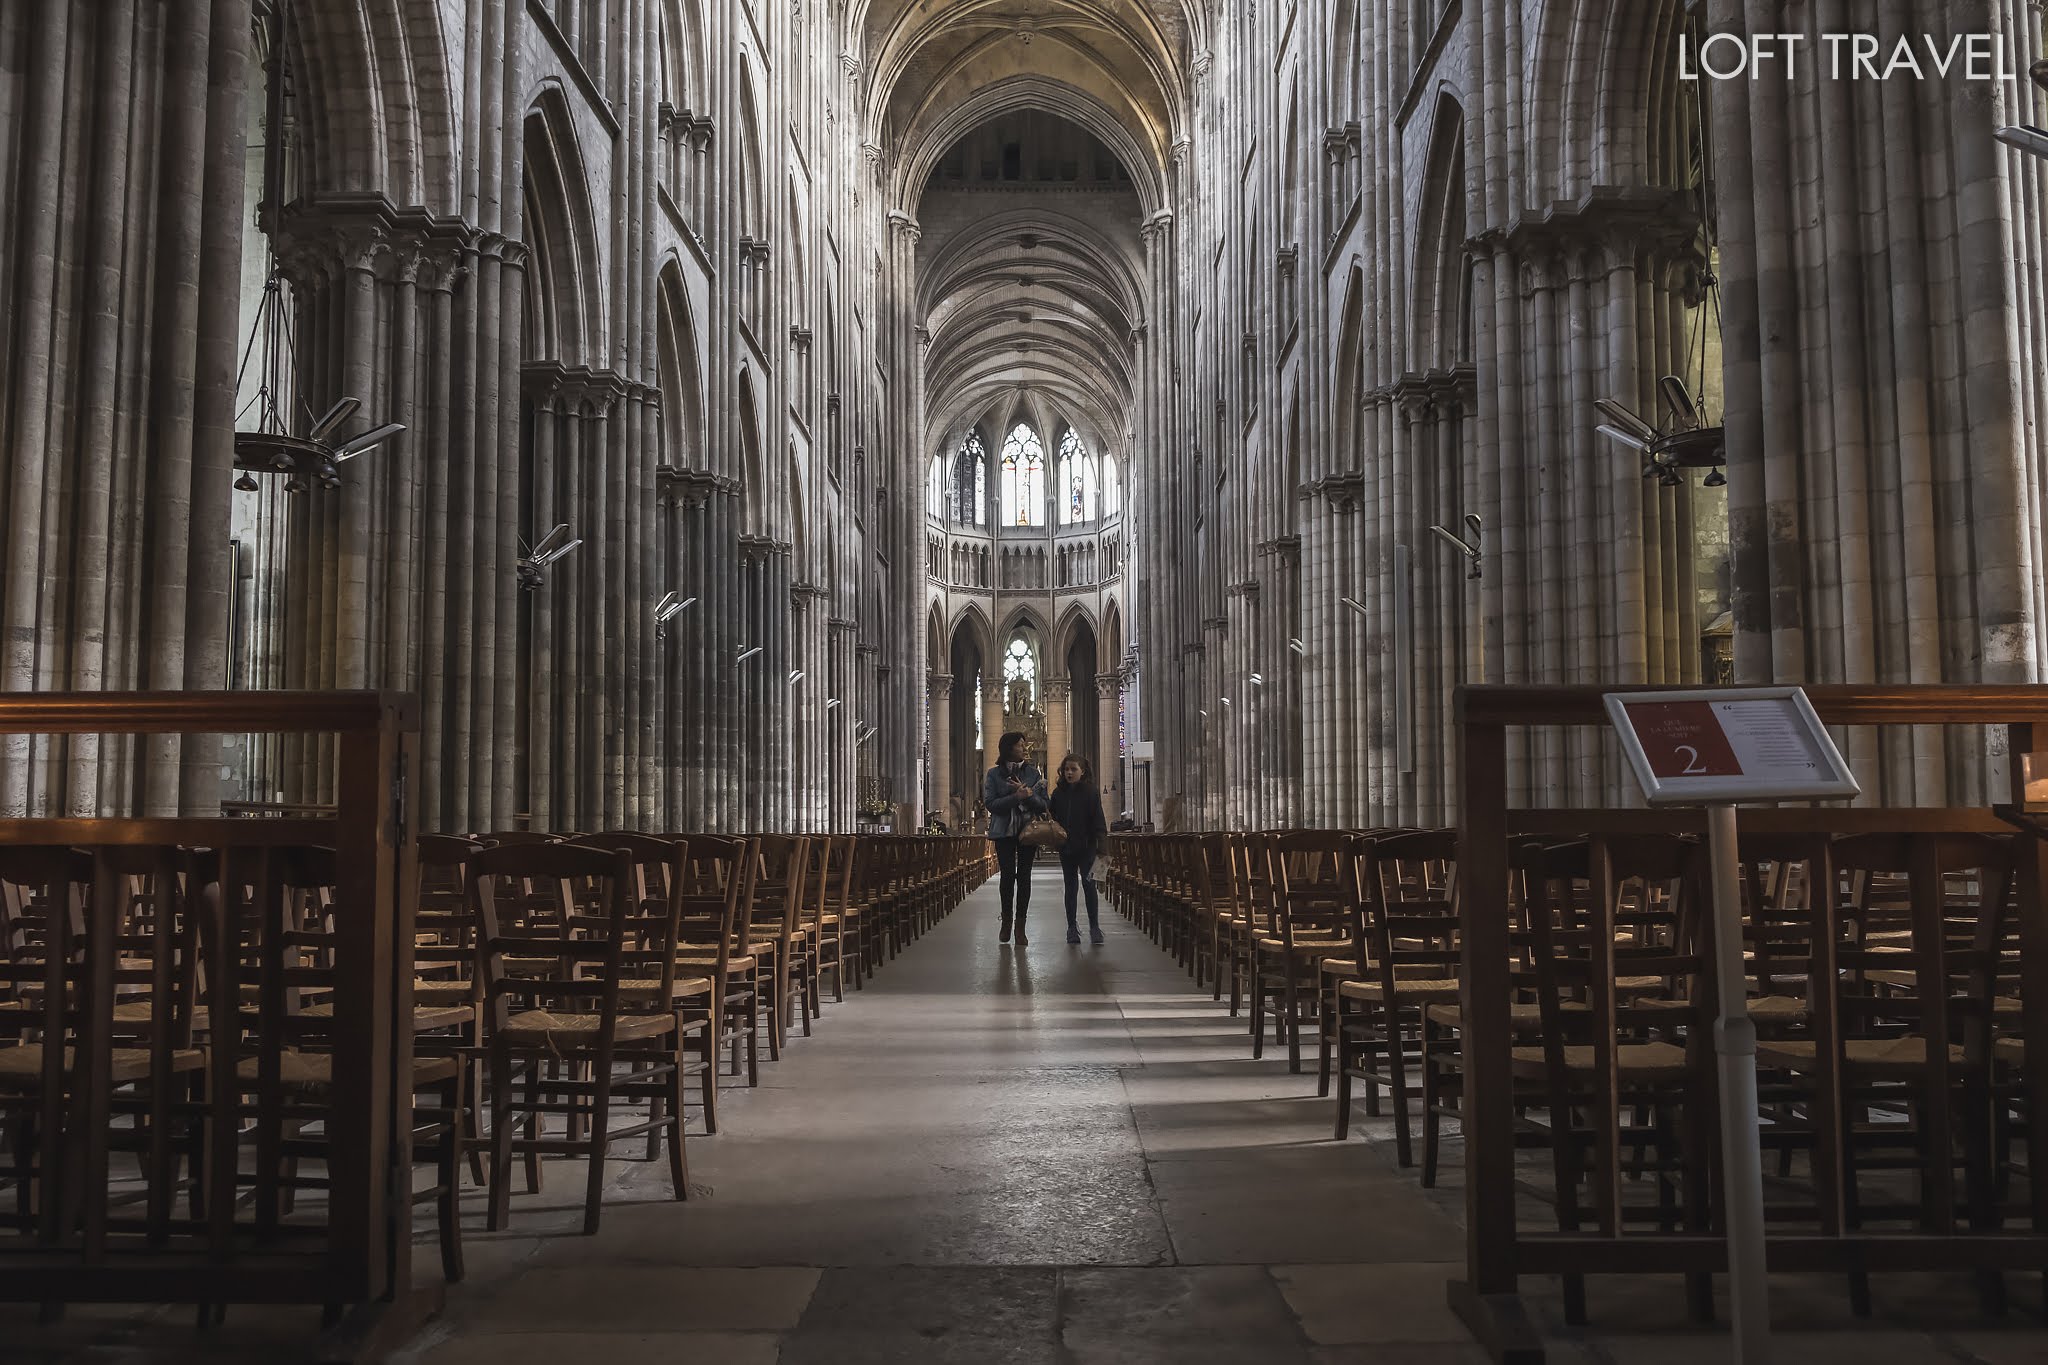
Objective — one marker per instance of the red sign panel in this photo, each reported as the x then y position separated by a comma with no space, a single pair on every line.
1683,739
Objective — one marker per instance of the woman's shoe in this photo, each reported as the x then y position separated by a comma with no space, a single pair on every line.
1094,936
1073,934
1004,937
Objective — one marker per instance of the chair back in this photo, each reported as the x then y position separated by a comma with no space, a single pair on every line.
567,962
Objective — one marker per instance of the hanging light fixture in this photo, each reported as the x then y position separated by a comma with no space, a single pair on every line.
270,446
1685,436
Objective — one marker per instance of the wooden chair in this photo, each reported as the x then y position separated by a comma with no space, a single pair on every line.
101,1014
715,908
1623,991
1308,878
567,1006
279,911
1405,932
775,936
652,970
1910,1070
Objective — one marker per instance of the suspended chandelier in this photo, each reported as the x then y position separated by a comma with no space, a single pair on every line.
270,446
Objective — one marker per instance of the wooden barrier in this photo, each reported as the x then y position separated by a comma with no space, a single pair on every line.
359,1255
1499,1250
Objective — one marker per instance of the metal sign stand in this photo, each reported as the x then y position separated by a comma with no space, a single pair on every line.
1713,748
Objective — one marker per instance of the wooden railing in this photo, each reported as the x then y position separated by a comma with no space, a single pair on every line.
1500,1248
358,1253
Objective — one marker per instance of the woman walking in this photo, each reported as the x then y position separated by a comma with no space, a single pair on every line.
1077,805
1013,791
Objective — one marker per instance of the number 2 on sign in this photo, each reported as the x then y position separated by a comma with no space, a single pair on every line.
1693,766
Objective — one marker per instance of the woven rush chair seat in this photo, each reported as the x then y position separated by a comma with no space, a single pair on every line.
1636,1062
1308,947
734,965
2011,1051
1408,992
682,988
1900,1058
437,993
580,1030
21,1067
424,1017
315,1070
1523,1016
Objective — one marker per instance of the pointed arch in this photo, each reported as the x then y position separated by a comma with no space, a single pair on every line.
678,372
1350,372
565,301
1439,271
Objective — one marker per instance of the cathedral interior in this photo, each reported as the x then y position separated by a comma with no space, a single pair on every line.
456,450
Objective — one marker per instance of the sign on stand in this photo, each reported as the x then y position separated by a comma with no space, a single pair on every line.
1713,748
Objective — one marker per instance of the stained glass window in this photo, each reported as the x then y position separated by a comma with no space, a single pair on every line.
1077,481
1023,478
1018,665
935,490
970,482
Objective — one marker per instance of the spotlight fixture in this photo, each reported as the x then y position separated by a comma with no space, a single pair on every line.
667,610
1256,679
748,653
1225,700
831,702
1468,548
796,675
1355,605
2026,138
1686,441
1298,647
533,565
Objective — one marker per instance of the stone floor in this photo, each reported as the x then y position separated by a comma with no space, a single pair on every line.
996,1155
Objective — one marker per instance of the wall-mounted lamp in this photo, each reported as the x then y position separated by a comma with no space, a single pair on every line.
1468,548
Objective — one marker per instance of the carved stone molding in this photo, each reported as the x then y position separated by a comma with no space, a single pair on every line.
692,488
1343,491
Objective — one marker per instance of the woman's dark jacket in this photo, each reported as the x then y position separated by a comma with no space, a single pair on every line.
1078,808
1009,811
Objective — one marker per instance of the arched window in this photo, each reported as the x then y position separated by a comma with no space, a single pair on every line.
970,482
1020,666
935,489
1112,491
1023,478
1077,481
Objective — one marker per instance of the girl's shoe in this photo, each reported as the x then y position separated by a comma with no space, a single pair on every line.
1094,935
1073,934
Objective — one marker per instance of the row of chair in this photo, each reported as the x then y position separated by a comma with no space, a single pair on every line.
197,1006
1882,974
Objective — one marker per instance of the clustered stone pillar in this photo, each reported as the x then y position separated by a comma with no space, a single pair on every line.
939,788
122,126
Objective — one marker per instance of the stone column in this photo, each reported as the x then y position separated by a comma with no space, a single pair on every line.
1109,764
1058,722
939,785
991,718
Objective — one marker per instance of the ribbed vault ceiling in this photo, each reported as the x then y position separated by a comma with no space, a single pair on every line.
1034,299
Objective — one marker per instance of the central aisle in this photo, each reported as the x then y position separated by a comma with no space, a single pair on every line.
991,1154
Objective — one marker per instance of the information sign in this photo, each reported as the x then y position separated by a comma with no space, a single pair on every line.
1728,744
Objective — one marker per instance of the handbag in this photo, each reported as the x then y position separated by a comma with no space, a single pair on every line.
1043,832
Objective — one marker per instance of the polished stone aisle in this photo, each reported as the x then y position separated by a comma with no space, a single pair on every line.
992,1154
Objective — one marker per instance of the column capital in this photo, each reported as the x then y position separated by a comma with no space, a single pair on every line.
941,685
903,223
1107,685
1058,689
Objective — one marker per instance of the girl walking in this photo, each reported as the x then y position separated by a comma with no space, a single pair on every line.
1077,805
